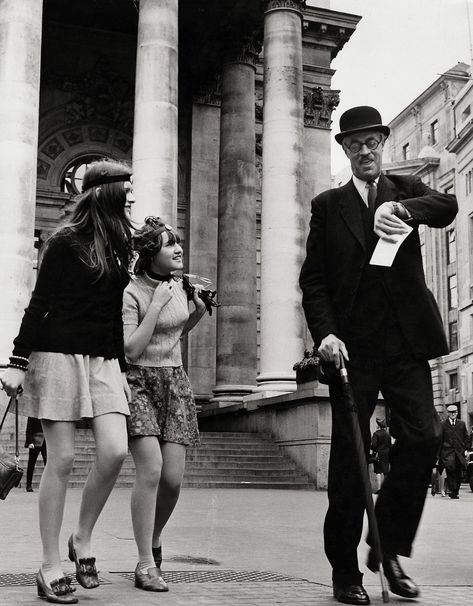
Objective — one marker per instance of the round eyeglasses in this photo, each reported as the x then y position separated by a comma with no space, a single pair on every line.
371,143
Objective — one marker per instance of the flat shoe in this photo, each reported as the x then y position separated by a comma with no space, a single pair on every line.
153,581
60,591
86,572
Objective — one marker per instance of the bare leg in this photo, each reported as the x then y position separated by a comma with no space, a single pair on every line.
174,461
52,492
146,454
111,449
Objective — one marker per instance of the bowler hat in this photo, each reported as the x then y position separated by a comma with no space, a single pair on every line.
452,408
360,118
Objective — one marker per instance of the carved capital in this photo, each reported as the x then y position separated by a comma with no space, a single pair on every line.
246,51
319,105
292,5
209,92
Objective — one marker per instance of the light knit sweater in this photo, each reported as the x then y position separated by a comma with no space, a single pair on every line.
164,347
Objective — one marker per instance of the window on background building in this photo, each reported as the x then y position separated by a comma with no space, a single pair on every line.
450,189
451,245
406,154
468,181
453,336
466,112
452,292
453,380
434,132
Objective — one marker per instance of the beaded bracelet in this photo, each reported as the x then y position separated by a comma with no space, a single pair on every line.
20,359
25,368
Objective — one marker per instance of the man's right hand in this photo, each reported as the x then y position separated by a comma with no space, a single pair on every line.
331,348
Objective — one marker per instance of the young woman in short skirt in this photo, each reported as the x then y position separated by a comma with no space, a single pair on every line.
162,419
69,358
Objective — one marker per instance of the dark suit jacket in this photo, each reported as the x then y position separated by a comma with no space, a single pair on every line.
337,253
455,440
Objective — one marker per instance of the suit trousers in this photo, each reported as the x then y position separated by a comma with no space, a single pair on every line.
32,457
454,475
406,386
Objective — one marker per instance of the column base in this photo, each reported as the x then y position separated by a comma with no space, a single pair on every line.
230,394
281,382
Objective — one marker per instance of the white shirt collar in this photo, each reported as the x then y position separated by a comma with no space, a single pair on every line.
361,187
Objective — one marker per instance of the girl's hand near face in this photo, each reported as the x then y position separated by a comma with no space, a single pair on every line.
163,293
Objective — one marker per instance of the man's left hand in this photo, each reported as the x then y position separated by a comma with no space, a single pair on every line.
386,225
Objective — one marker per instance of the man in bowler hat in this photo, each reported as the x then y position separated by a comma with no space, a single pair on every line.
386,325
455,441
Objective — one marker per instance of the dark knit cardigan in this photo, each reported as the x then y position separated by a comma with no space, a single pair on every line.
71,311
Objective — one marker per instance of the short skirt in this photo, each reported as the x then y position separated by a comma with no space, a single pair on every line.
70,387
162,404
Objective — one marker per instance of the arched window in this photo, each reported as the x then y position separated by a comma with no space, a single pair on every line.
74,173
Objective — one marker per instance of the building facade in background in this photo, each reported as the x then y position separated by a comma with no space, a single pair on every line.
433,138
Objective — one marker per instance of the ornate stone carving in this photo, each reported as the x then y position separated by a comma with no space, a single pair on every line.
43,169
99,133
209,92
244,50
73,136
101,95
295,5
318,106
53,148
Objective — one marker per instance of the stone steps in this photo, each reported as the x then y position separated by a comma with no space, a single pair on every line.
222,460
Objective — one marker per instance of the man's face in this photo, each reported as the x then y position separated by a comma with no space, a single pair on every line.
365,152
452,414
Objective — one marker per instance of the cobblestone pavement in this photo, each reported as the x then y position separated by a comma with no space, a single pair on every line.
235,548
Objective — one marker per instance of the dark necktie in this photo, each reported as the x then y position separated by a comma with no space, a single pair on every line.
372,193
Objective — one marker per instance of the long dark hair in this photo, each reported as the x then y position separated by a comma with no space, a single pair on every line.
99,218
148,240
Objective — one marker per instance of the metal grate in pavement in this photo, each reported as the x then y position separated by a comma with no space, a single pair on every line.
29,578
220,576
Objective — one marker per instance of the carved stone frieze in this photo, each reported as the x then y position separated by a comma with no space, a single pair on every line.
319,104
100,95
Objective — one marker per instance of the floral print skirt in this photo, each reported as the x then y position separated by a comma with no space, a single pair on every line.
162,404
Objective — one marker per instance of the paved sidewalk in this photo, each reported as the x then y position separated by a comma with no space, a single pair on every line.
234,548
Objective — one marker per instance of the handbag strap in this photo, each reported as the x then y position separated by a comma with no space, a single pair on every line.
12,399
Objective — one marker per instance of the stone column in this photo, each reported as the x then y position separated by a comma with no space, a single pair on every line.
282,224
236,318
203,229
155,129
20,53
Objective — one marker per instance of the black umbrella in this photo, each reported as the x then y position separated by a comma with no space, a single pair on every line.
363,466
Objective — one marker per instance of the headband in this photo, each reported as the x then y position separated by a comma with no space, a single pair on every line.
102,179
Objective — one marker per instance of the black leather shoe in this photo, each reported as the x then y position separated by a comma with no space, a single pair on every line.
351,594
399,582
59,592
86,572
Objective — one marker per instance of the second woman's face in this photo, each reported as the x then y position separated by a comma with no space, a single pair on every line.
169,258
130,198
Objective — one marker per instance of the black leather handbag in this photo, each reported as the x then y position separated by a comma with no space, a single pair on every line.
10,471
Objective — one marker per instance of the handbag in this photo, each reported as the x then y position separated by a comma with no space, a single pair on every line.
10,470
